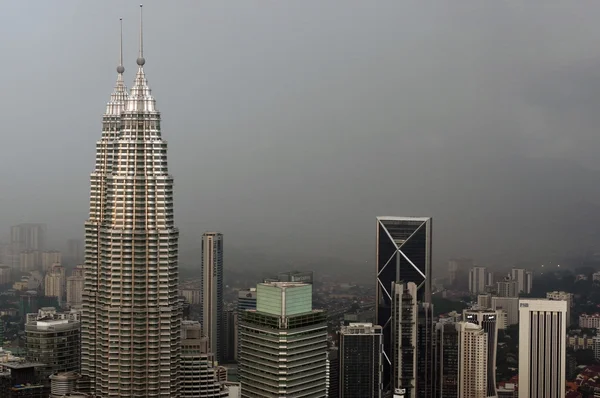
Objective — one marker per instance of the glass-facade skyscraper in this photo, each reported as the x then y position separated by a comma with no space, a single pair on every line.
404,257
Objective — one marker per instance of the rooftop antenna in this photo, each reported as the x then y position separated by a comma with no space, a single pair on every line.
141,61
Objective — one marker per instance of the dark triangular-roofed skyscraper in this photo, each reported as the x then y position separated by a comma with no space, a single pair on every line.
403,256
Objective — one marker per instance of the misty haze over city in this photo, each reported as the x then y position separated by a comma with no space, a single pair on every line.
292,125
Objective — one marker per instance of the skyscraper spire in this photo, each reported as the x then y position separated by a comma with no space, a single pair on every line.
117,99
140,98
141,61
121,68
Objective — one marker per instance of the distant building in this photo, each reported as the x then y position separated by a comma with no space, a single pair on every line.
361,355
478,278
75,251
591,321
283,323
524,279
597,348
542,357
596,276
55,283
28,260
580,342
568,297
484,300
50,258
508,287
296,276
191,295
247,299
510,305
5,275
458,272
75,284
26,237
502,319
211,291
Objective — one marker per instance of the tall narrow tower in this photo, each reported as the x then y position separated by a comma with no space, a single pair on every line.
133,315
212,292
404,257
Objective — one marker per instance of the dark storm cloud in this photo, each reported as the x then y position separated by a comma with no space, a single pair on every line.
292,125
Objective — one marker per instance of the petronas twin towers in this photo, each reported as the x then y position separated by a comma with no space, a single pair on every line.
131,314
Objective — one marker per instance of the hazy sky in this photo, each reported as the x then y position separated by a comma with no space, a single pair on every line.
292,125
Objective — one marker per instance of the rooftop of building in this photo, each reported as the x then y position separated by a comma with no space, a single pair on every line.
284,285
21,364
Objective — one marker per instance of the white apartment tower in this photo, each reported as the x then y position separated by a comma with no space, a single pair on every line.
524,279
75,284
473,359
542,348
131,328
55,282
211,292
461,360
488,321
478,280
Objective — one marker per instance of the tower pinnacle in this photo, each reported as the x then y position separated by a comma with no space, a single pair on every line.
121,68
141,61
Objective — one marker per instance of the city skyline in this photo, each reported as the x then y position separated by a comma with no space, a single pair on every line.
287,121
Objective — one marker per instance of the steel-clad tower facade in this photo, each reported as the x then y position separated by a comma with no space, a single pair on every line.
132,316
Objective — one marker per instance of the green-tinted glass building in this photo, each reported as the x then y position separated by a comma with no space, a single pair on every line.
283,344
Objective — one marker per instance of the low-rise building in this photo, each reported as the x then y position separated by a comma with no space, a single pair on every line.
591,321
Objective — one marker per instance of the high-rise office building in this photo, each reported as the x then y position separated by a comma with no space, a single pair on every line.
524,279
488,321
131,274
542,348
198,377
361,355
566,296
404,256
75,284
52,338
211,291
478,278
283,329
